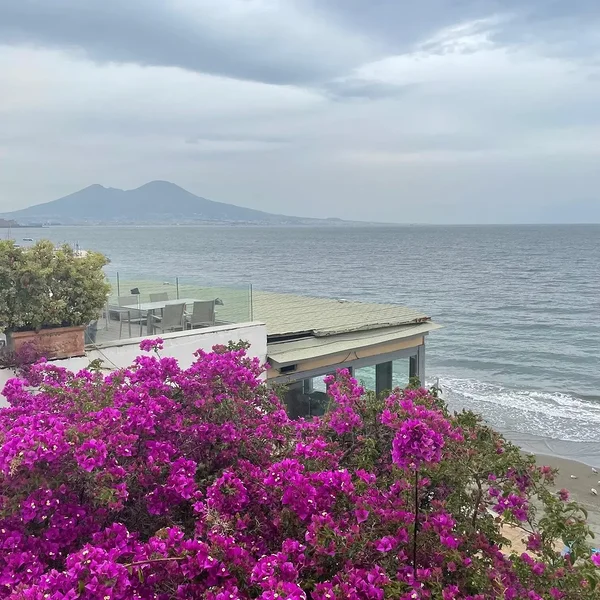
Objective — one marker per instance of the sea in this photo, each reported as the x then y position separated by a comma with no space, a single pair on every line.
519,305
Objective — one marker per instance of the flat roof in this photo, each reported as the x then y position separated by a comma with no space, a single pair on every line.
295,351
290,316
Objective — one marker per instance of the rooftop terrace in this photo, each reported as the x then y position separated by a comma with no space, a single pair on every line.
308,321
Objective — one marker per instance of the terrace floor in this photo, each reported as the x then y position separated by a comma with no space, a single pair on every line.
110,332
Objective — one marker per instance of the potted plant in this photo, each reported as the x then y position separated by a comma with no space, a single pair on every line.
48,296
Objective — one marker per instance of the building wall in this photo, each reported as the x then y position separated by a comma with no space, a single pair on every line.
330,363
180,345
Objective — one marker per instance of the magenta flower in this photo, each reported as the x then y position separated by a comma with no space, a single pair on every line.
534,542
385,544
227,494
91,454
158,481
449,541
416,444
361,515
527,559
152,344
450,593
538,568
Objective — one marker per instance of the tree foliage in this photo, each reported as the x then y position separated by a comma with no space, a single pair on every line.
44,287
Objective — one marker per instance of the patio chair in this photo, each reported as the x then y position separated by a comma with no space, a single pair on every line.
203,314
129,315
171,320
159,297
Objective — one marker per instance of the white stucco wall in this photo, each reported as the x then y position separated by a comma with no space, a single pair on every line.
180,345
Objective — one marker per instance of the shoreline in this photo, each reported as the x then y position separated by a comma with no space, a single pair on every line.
587,453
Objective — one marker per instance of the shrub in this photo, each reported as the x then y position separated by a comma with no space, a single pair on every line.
43,287
158,482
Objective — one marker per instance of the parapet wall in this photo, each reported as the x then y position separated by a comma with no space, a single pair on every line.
180,345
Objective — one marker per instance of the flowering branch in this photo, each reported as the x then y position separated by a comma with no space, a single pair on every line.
154,560
202,466
416,523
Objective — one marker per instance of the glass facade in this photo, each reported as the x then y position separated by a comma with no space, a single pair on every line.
308,398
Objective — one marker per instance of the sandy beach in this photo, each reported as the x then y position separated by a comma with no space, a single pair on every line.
579,488
580,492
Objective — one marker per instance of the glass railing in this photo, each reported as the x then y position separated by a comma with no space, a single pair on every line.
140,305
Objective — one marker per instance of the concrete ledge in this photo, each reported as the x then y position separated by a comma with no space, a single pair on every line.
135,341
181,345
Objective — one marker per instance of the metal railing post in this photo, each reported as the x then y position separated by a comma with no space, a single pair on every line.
177,286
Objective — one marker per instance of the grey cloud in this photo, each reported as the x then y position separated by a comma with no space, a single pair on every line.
405,24
571,24
270,48
567,28
227,137
273,46
358,89
367,117
153,32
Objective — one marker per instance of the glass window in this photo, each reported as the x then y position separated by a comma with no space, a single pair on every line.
366,377
400,372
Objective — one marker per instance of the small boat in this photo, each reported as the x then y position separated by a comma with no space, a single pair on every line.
28,239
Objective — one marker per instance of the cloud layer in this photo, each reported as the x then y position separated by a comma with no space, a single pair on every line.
482,111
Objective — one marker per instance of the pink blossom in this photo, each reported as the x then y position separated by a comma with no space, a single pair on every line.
150,345
416,444
157,481
538,568
361,515
385,544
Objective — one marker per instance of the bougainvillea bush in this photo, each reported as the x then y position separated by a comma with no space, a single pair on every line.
162,482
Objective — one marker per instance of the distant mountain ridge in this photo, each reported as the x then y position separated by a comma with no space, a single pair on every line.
154,202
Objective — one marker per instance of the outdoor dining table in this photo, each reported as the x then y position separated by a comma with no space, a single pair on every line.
151,307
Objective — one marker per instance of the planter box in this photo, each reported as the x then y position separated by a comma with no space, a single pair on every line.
62,342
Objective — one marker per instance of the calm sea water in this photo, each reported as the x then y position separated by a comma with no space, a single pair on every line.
520,304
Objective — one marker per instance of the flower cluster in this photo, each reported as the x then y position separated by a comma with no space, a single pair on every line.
158,482
421,429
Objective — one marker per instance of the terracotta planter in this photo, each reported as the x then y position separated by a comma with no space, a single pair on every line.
62,342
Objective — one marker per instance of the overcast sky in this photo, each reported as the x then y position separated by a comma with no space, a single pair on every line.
468,111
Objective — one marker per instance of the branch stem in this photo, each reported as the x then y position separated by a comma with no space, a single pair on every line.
153,560
416,526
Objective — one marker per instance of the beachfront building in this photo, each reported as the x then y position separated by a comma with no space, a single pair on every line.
301,338
308,338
